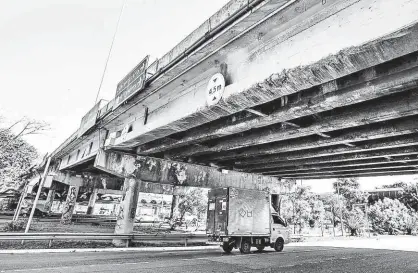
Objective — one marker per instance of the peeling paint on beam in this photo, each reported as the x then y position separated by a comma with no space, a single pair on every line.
369,133
155,170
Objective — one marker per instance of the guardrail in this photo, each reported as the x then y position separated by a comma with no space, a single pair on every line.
186,238
297,237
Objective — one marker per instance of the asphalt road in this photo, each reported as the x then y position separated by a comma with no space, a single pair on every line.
293,259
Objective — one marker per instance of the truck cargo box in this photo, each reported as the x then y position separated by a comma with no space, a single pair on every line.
238,212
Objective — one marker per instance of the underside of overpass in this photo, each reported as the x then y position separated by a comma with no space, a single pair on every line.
352,113
360,124
294,106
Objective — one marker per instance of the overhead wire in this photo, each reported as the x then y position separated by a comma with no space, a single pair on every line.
110,50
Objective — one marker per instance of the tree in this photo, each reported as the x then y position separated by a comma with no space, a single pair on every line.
298,209
390,215
355,220
16,156
336,206
409,195
411,223
24,127
286,185
192,202
350,189
318,214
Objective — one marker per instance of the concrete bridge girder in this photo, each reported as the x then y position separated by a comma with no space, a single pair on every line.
161,171
297,52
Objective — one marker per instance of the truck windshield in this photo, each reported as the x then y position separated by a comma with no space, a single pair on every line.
279,220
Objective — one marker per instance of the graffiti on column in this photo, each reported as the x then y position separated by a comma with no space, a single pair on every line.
104,182
121,213
69,205
49,200
132,207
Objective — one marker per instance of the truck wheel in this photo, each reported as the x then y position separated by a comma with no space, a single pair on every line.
260,248
279,245
245,247
227,247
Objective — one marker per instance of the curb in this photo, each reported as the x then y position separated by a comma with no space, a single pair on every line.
128,249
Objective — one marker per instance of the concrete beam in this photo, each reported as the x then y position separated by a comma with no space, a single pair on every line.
398,106
68,179
379,144
394,76
107,184
351,172
285,162
85,150
385,166
363,174
155,170
261,154
337,165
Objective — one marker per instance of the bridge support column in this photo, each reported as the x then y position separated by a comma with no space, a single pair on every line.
69,205
92,201
49,200
126,218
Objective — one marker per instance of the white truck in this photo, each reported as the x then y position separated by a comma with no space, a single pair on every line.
240,218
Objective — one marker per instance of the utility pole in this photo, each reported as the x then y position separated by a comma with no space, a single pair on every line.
41,183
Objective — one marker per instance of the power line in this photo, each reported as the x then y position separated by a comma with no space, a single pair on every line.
110,50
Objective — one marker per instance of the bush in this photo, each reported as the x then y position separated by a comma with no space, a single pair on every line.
15,225
355,221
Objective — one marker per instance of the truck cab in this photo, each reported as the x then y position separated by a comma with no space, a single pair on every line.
280,233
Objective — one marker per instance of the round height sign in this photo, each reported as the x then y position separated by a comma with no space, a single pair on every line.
215,89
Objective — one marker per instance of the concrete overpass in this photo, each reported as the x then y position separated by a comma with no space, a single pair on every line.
262,90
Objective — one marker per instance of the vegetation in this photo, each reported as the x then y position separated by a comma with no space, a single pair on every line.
192,203
350,207
13,226
17,155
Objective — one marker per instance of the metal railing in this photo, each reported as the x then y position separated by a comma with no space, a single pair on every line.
186,238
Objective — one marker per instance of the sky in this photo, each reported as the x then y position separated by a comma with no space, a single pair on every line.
52,56
52,53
